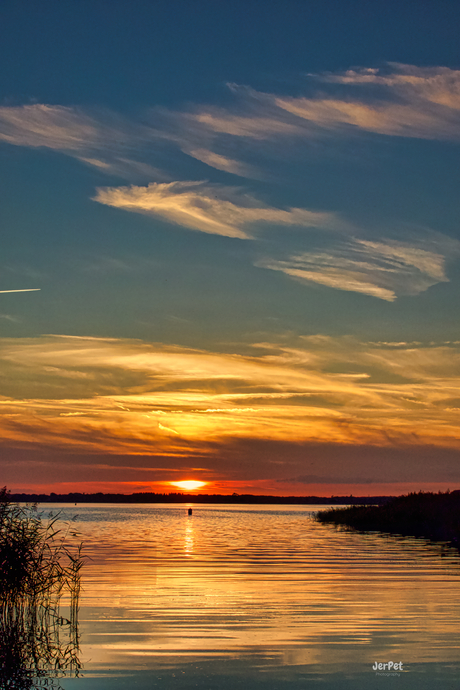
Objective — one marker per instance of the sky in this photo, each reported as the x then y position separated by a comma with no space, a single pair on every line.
230,246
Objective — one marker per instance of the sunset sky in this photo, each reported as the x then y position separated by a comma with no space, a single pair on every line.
230,246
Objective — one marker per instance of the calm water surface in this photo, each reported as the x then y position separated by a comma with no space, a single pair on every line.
259,597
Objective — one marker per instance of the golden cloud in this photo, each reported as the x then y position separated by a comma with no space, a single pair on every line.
411,101
381,269
128,396
209,208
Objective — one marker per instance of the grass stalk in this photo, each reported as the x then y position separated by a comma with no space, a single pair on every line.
38,569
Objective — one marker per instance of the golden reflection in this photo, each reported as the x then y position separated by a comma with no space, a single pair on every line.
277,583
189,536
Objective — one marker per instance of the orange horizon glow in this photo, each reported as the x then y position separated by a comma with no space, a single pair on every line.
255,488
315,416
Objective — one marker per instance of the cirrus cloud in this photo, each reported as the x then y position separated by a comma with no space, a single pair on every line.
399,100
383,269
213,209
127,396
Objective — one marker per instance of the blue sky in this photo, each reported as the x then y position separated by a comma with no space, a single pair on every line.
241,224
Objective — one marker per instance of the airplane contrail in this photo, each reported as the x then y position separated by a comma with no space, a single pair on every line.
24,290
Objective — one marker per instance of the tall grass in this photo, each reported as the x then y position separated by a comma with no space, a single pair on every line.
38,572
423,514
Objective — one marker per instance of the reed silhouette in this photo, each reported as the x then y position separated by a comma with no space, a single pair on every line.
435,516
39,575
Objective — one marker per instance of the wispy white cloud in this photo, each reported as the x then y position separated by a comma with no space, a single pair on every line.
384,118
213,209
251,125
383,269
220,162
401,100
54,127
439,85
397,100
125,168
101,139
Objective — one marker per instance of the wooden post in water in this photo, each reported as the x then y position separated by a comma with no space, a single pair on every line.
189,511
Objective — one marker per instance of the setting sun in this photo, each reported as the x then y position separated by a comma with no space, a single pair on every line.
189,485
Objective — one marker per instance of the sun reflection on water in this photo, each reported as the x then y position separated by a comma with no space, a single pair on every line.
226,582
189,536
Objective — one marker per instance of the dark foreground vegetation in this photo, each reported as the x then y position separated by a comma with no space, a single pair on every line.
37,572
147,497
429,515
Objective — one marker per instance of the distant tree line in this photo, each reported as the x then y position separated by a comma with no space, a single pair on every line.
147,497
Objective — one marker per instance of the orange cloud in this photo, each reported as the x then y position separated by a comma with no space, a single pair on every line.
121,396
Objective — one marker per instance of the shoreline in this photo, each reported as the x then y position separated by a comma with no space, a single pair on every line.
424,514
233,499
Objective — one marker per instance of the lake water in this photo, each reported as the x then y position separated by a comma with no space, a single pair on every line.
259,597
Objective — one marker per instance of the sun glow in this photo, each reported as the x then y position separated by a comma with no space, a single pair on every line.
189,485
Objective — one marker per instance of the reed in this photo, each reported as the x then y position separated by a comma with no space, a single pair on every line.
435,516
38,572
